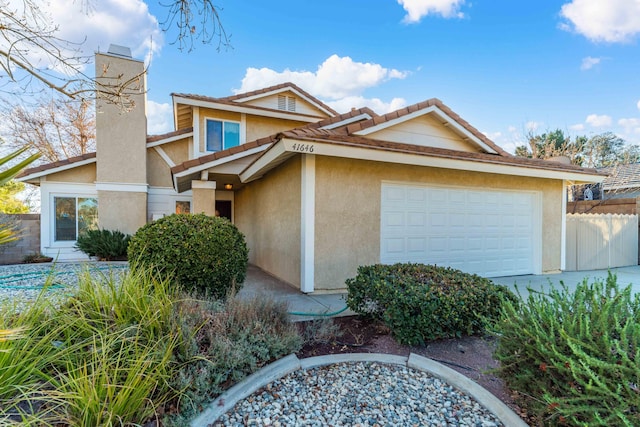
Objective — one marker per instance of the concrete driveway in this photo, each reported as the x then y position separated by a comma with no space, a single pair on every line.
626,276
309,306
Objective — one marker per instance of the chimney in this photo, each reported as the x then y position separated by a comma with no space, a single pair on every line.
121,134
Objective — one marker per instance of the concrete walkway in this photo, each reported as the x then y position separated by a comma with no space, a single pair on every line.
259,283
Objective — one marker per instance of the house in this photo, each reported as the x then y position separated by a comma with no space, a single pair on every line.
316,193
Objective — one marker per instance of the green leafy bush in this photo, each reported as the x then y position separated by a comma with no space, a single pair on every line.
575,354
203,253
104,244
424,302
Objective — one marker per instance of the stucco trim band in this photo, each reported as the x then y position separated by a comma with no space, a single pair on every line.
122,187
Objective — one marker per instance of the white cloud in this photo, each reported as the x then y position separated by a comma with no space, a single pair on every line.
96,26
596,120
631,125
336,78
532,126
609,21
579,127
346,104
589,62
418,9
159,118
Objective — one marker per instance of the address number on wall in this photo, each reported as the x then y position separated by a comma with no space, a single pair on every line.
303,148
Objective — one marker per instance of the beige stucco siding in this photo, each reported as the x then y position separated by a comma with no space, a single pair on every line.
158,171
426,131
267,211
81,174
124,211
260,127
348,211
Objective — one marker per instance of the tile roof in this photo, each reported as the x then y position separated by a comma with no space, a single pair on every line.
154,138
330,137
622,176
54,165
233,99
222,154
433,102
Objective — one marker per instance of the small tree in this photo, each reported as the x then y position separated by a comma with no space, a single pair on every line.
9,203
7,233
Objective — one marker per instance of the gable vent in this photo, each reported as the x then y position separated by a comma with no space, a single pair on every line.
286,103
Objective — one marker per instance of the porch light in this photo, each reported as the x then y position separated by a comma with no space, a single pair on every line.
228,186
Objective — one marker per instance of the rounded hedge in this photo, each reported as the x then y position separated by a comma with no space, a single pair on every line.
203,253
420,303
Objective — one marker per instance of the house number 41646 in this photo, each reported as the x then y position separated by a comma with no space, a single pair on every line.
303,148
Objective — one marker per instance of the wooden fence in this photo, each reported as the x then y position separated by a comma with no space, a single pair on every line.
600,241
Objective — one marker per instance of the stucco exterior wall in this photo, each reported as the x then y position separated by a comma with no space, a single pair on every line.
178,151
119,132
267,211
348,211
120,210
260,127
158,171
83,174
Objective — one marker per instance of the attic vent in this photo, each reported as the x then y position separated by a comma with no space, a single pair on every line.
286,103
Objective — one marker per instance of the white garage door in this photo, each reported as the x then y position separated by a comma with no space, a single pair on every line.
490,233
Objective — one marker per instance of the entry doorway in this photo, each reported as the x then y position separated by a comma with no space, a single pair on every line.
223,209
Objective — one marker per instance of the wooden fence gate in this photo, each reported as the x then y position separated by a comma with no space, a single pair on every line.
600,241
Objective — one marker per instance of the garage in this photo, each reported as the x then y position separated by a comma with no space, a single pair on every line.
487,232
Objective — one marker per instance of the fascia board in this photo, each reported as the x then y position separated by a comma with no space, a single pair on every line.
284,89
56,170
248,110
168,140
221,161
363,153
441,114
256,169
347,121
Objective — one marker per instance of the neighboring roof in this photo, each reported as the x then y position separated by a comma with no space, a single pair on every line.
58,166
622,177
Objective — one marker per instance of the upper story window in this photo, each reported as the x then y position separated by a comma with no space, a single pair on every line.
222,134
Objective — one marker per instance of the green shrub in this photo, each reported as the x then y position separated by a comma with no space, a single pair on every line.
424,302
576,354
104,244
222,343
204,254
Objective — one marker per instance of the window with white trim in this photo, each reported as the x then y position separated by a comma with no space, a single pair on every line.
221,134
73,216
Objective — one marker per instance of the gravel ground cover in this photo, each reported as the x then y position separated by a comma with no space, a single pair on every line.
358,394
22,283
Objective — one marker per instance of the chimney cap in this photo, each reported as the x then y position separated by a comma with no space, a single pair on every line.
118,50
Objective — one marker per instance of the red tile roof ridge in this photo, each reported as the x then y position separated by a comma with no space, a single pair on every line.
153,138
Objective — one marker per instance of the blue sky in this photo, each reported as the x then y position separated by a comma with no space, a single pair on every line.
506,67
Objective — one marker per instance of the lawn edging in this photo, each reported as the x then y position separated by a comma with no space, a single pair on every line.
291,363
